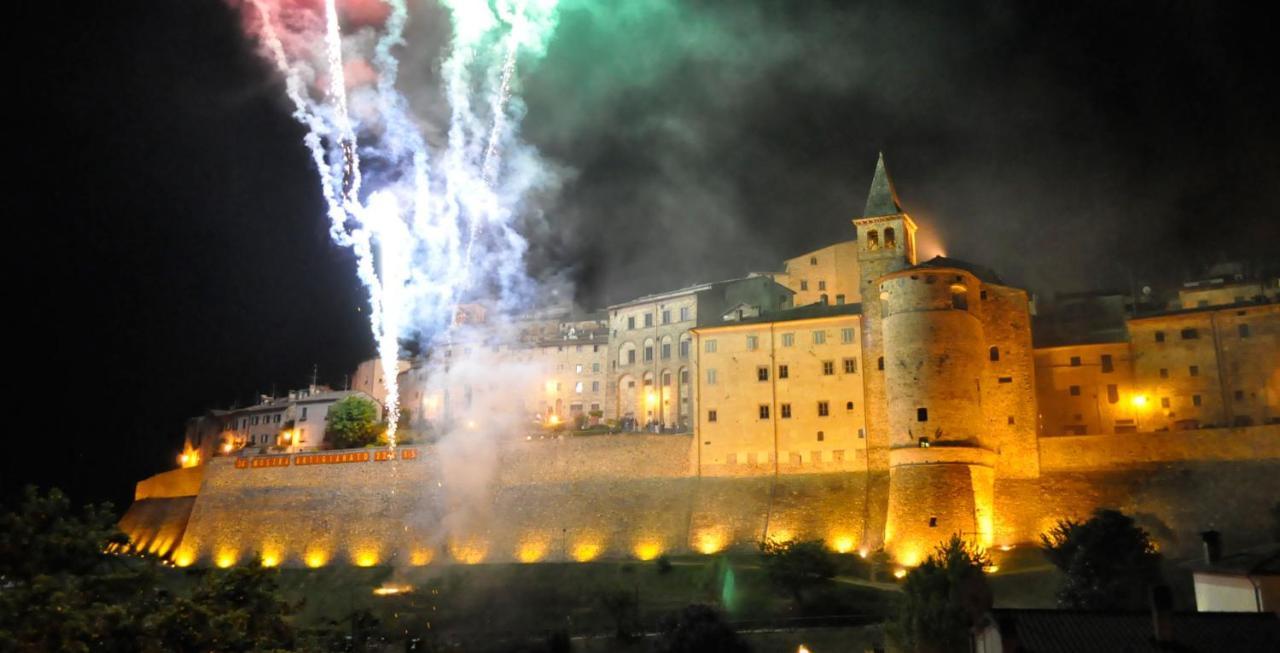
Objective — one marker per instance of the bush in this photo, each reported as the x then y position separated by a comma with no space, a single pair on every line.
352,423
943,598
697,629
1109,561
796,566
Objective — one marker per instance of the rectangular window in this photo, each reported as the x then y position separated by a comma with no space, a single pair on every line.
648,319
1239,395
648,353
824,409
788,339
828,368
822,285
666,350
684,314
1164,402
1005,379
577,369
764,411
684,348
804,285
819,337
922,414
1075,391
709,346
1194,370
839,300
1164,372
1243,330
1107,365
577,387
1190,334
821,436
762,373
1195,399
1075,361
595,367
880,363
1113,393
1159,336
711,416
631,322
304,414
785,411
753,343
784,372
631,356
711,377
666,317
850,366
848,405
595,386
846,335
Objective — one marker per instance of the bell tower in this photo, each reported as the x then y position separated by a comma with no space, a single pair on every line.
886,244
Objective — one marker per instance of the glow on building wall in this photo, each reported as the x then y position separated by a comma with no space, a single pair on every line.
647,550
225,558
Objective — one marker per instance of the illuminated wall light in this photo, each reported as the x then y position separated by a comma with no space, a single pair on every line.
531,551
184,558
316,558
420,557
648,550
708,543
365,558
909,556
225,559
469,553
842,544
862,553
586,551
270,559
899,573
1006,547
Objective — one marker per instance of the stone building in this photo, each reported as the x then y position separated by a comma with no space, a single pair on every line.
368,378
781,392
824,276
651,355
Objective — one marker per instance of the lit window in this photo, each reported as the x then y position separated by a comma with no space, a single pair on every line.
577,387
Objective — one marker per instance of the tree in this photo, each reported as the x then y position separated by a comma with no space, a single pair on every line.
697,628
352,423
1109,561
796,566
943,598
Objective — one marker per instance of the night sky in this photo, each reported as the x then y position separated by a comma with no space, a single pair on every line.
173,253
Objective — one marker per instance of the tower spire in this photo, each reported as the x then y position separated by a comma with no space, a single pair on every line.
882,199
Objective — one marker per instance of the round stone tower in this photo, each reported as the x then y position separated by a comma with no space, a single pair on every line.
941,472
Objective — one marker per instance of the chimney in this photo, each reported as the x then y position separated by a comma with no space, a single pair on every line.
1212,546
1162,615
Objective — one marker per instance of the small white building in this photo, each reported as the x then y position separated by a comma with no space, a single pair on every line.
295,422
1247,581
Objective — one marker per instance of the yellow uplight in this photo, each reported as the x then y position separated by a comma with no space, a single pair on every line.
531,551
225,559
392,590
1006,547
469,553
709,543
184,558
317,558
420,557
1139,401
842,544
651,398
366,558
553,419
586,551
270,559
648,550
899,573
782,535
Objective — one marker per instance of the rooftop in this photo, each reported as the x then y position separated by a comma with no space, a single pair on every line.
982,272
810,312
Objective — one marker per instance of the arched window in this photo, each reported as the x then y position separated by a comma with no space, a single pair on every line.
959,300
873,239
995,353
890,239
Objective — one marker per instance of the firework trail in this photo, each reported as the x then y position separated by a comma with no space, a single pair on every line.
429,226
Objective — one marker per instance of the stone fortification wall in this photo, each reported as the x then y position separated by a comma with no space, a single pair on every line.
634,497
571,499
183,482
1173,501
1100,452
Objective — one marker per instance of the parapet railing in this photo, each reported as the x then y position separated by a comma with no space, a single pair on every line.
323,458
